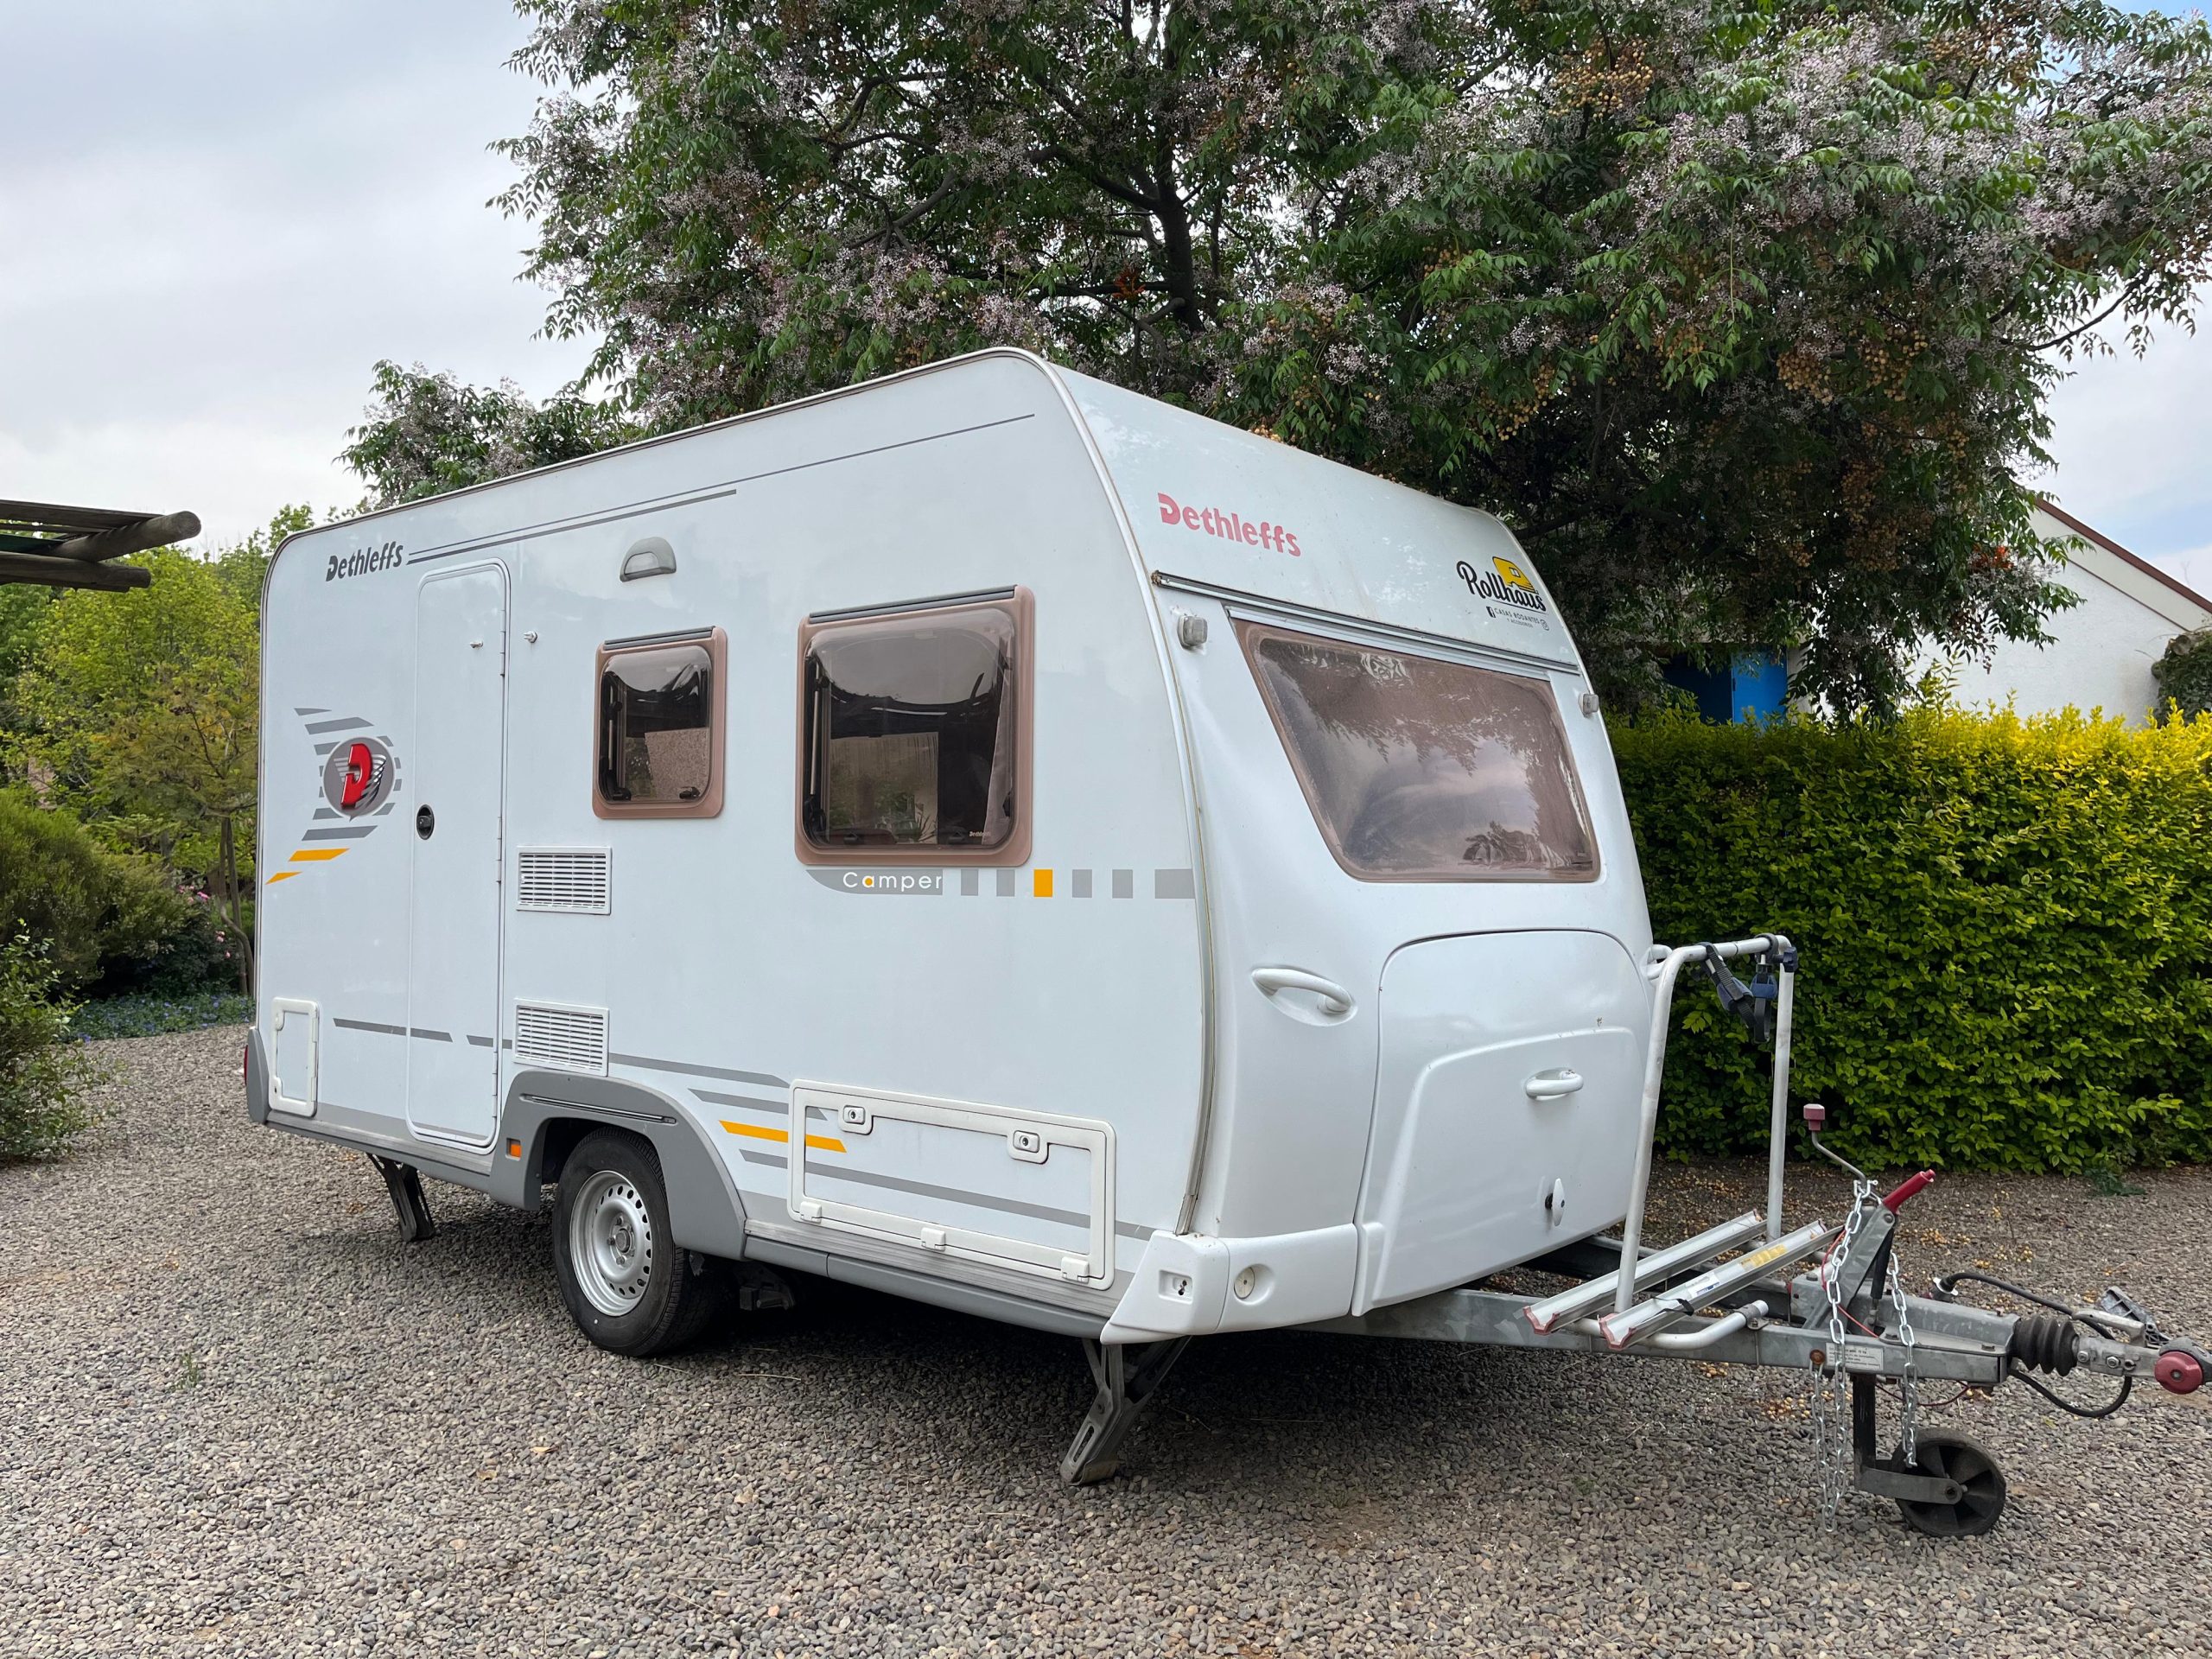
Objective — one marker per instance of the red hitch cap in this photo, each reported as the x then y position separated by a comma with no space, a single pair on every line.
1907,1188
2179,1372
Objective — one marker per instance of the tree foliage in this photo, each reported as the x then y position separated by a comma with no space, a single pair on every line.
2184,674
427,433
1742,313
143,712
43,1073
94,911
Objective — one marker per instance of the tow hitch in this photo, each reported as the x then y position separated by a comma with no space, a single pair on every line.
1825,1300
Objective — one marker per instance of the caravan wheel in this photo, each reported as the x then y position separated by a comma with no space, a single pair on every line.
627,1285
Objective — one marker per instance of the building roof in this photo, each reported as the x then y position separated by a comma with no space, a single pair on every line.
73,547
2174,586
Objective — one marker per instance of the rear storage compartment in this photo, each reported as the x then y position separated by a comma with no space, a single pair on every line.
1505,1105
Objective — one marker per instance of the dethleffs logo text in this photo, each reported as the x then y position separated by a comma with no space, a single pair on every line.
1228,525
362,562
1504,582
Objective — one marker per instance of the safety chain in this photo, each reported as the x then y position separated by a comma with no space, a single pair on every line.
1832,1451
1908,1389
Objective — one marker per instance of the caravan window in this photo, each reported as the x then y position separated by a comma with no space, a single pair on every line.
914,738
1422,770
660,727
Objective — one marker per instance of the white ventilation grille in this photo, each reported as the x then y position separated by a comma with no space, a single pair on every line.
568,1040
579,880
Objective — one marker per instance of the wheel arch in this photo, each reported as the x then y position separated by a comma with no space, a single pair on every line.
546,1114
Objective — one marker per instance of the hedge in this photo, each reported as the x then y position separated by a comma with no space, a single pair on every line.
100,915
2005,927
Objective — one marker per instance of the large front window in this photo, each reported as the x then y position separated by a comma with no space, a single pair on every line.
1422,770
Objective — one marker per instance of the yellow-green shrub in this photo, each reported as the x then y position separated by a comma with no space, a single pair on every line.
2006,930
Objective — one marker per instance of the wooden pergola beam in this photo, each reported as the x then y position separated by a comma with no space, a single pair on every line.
157,532
44,567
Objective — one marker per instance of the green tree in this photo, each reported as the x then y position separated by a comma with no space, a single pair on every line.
1742,314
146,711
425,432
22,609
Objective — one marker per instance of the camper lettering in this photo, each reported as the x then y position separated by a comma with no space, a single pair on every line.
1505,582
362,562
1229,525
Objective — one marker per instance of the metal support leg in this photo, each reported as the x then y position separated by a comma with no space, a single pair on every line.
404,1183
1127,1377
1778,1131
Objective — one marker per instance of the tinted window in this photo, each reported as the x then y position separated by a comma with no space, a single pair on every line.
909,737
656,725
1419,769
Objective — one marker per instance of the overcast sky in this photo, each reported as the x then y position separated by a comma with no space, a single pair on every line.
215,215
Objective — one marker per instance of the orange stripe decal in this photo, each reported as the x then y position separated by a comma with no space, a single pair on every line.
761,1132
282,875
315,855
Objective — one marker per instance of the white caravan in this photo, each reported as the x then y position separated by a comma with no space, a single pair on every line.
983,835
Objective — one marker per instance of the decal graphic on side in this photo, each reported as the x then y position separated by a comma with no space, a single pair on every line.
1505,582
359,775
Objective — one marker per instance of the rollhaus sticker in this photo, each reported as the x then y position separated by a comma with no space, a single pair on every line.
1503,583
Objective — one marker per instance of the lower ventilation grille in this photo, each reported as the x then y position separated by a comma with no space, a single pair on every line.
565,1039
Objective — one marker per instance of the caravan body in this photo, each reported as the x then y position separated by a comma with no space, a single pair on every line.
991,835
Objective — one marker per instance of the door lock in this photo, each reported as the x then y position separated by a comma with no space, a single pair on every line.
425,821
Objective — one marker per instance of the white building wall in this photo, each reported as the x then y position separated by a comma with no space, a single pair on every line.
2101,650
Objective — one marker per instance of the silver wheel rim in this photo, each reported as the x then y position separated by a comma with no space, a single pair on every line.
611,1243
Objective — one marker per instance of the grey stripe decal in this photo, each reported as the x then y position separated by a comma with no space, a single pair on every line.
434,1036
324,748
351,832
325,812
1174,883
952,1194
723,1072
1125,884
480,1042
1079,884
1121,1228
371,1025
748,1103
350,723
657,504
310,711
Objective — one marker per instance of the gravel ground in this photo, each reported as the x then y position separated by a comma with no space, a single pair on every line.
237,1416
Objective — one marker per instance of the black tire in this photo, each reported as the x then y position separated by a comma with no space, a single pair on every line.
1981,1484
634,1292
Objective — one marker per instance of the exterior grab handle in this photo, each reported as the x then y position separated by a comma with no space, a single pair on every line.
1333,997
1555,1084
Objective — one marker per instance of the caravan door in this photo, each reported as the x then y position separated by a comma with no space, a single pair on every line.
459,790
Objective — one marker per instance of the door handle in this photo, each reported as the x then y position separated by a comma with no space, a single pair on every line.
1555,1084
1334,999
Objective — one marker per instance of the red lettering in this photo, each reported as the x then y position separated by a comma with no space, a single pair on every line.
1231,526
